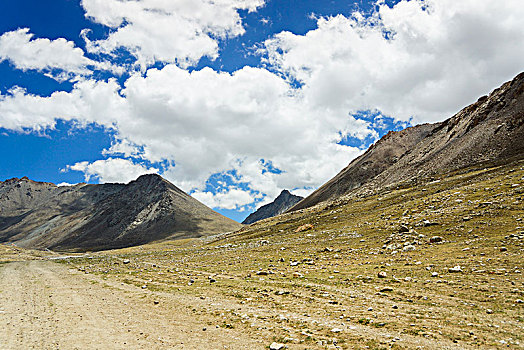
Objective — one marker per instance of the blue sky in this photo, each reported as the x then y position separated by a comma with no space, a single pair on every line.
235,100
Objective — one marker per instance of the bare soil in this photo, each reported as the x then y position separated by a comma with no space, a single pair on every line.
44,305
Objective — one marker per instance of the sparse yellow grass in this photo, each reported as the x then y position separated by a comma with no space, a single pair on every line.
320,288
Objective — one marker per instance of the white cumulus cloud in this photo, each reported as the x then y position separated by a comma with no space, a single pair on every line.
179,31
111,170
57,58
421,59
233,198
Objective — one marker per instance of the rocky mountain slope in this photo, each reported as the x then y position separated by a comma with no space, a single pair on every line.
283,202
95,217
489,130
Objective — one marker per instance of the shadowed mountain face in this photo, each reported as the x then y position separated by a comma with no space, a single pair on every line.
96,217
283,202
489,130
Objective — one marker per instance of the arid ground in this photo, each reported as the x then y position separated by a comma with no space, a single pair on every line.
435,265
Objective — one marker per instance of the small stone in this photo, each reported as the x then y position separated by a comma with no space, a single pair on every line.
409,248
336,330
519,301
156,302
455,269
126,261
276,346
262,273
382,274
503,249
435,239
489,311
304,228
403,229
395,307
434,274
427,223
386,289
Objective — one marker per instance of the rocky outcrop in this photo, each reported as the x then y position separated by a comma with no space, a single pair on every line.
96,217
283,202
490,130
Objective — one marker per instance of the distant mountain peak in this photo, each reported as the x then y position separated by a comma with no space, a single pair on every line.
283,202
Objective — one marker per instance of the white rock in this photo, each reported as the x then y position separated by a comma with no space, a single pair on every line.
455,269
409,248
276,346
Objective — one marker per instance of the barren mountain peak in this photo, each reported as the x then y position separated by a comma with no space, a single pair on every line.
95,217
489,130
283,202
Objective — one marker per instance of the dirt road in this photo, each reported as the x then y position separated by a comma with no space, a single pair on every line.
44,305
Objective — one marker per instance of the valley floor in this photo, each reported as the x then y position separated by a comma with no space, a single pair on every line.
434,265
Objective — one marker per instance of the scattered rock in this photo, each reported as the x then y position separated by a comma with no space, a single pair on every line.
336,330
409,248
382,274
304,228
427,223
276,346
308,261
386,289
262,273
392,246
435,239
503,249
455,269
403,229
126,261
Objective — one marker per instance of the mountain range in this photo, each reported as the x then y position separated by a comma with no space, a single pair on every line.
93,217
85,217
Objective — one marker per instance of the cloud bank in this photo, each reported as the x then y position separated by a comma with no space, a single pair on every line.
282,124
